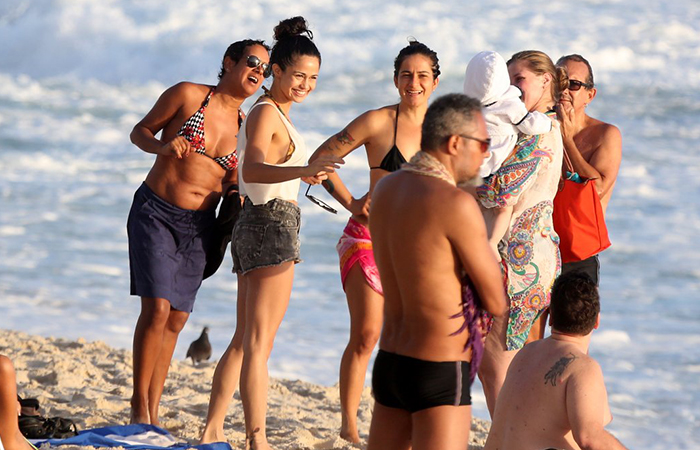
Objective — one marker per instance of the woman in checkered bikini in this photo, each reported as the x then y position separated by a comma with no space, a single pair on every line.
171,218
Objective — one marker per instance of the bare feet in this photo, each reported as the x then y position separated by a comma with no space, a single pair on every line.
139,413
350,435
257,441
210,436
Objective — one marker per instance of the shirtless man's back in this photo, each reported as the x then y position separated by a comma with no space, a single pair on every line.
554,395
427,233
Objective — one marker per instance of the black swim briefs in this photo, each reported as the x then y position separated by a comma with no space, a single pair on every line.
413,384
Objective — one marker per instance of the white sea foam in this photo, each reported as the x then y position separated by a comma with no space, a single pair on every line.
610,337
76,76
12,231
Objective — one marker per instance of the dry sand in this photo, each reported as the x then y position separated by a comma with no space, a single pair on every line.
90,382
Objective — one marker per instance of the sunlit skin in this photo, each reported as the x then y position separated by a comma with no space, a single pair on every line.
375,131
263,293
538,96
10,435
304,74
415,81
426,233
532,85
189,181
595,147
268,139
581,98
180,176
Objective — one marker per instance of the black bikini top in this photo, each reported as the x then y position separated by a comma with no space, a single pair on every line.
393,159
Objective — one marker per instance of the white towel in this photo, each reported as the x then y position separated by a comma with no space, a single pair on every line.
487,80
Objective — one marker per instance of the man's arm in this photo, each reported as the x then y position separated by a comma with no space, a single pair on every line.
605,160
467,233
587,408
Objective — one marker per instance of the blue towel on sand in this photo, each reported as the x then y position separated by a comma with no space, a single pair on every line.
137,436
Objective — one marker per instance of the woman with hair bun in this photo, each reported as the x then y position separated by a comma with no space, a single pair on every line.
265,244
391,136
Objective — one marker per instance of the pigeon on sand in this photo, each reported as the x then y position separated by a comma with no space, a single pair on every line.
200,349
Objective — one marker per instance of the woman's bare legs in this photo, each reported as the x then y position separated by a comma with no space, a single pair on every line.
156,333
366,312
495,362
267,296
226,376
538,327
176,322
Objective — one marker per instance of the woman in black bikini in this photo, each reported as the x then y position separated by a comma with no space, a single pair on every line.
391,135
173,211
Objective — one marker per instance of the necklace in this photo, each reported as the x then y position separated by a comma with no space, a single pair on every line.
292,146
268,94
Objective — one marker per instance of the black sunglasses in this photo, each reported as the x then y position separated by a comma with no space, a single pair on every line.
320,202
485,143
254,62
575,85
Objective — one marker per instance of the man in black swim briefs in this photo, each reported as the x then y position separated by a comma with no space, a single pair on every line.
427,235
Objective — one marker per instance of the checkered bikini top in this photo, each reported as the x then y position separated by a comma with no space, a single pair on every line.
193,131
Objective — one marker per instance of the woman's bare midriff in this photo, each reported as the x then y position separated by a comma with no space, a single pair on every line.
192,183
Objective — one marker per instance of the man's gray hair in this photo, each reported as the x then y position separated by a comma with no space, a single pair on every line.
448,115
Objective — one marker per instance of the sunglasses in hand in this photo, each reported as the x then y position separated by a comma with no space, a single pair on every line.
319,202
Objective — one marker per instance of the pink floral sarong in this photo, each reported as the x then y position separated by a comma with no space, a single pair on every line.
355,246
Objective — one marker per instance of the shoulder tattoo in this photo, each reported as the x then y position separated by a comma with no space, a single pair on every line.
344,137
328,184
558,368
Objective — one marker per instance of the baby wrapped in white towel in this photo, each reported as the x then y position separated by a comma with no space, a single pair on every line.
487,80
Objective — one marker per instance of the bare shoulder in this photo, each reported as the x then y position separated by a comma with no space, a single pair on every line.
189,90
585,369
263,110
386,184
606,131
461,206
376,120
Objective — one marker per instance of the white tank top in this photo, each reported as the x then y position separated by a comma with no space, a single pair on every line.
261,193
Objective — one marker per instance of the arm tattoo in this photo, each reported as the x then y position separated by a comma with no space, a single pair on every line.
344,137
558,369
328,184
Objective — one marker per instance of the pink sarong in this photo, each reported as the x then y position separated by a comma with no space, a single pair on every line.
355,246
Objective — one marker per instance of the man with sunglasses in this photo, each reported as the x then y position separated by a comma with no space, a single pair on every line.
593,146
429,235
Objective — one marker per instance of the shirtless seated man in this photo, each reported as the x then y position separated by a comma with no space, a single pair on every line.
427,235
554,396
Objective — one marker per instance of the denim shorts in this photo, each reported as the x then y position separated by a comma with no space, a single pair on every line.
266,235
167,249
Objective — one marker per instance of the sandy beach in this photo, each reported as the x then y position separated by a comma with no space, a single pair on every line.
91,383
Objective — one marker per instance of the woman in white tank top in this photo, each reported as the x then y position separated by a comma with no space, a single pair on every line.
265,244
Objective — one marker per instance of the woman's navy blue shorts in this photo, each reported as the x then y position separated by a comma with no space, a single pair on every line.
167,249
266,235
